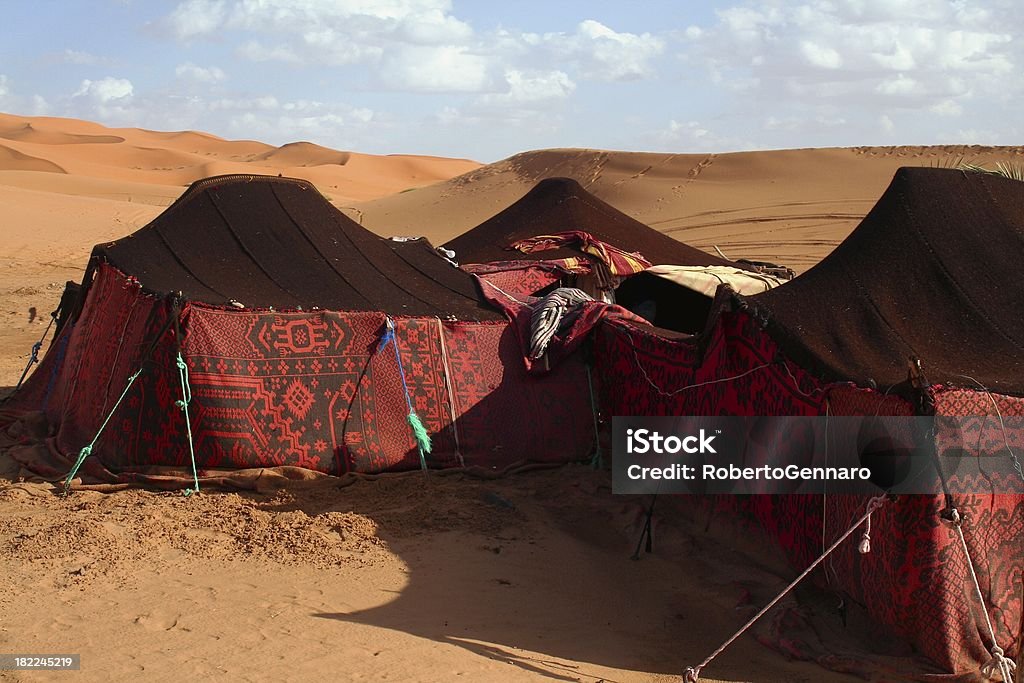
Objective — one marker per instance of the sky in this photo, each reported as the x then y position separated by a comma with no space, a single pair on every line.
485,79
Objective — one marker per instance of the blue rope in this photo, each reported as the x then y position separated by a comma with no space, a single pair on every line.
420,435
87,450
34,356
186,394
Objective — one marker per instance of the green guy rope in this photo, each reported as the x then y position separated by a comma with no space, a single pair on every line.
598,460
186,395
419,432
86,451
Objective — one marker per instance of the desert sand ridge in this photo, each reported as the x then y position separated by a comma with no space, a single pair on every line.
85,149
787,206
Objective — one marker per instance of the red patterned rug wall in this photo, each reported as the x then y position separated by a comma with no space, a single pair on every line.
308,389
915,581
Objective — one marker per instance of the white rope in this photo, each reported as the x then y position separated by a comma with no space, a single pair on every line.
661,391
999,662
669,394
796,384
451,393
692,674
864,547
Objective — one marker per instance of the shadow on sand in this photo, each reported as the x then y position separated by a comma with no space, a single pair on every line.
535,571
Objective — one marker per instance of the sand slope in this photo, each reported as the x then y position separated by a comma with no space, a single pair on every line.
790,207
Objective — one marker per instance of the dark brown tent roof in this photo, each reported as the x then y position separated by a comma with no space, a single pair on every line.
560,204
277,242
932,272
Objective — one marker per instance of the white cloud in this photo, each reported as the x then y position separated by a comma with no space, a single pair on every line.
194,18
804,124
35,105
694,136
38,106
974,136
947,108
337,125
435,69
320,30
531,88
601,53
266,117
816,55
199,74
110,100
900,86
69,56
105,90
258,52
530,99
264,102
862,53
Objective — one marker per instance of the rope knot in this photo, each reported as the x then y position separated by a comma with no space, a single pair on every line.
999,664
951,517
389,335
180,362
864,547
691,675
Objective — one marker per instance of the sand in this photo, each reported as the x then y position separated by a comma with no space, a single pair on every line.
399,578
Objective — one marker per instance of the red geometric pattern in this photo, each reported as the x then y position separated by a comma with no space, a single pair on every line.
518,278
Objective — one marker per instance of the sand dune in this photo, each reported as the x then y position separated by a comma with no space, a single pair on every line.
414,579
12,158
177,159
304,154
31,134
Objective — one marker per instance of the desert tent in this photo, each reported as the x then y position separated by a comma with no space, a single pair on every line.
561,205
302,339
918,312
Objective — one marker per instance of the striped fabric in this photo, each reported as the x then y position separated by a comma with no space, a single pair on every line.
619,262
553,314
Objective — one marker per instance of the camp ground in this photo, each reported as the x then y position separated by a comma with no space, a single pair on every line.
252,328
